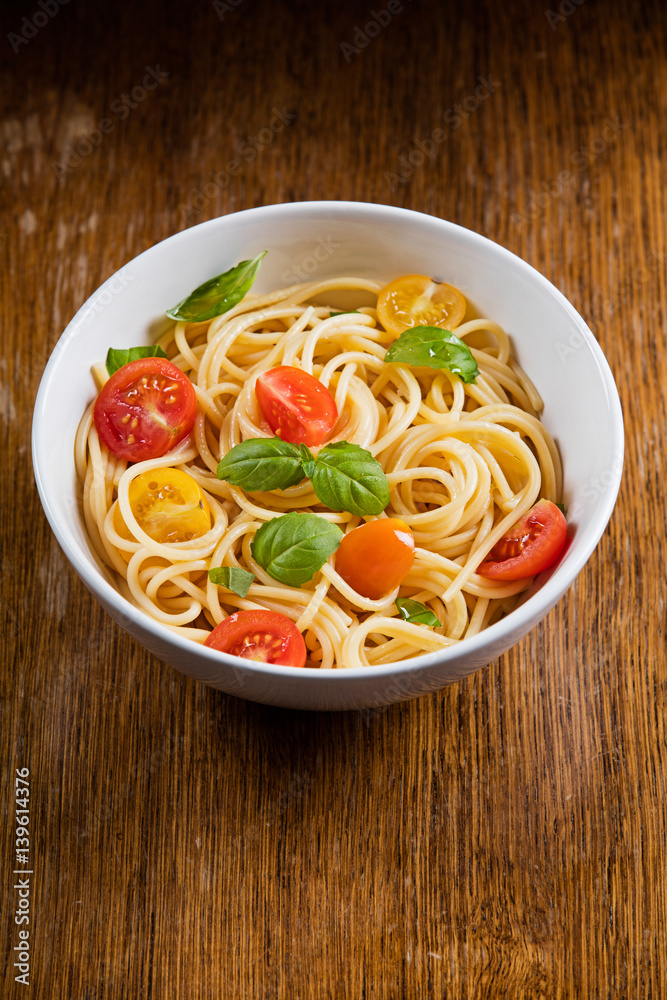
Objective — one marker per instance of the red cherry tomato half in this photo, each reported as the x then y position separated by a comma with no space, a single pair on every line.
375,557
534,543
260,635
145,408
296,406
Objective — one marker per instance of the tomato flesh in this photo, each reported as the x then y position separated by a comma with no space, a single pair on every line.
144,409
266,636
296,406
375,558
416,300
532,545
168,505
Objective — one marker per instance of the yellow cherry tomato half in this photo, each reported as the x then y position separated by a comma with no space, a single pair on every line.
415,300
168,505
375,558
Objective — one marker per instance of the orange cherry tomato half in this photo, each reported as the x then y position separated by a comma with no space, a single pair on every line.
265,636
144,409
296,406
533,544
376,557
415,300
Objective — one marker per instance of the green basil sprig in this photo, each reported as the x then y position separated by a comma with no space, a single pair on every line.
217,295
347,477
117,356
292,547
413,611
262,464
233,578
432,347
344,476
345,312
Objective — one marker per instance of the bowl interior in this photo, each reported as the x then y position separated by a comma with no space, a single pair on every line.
309,241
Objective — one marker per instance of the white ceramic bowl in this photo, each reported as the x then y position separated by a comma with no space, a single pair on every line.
324,239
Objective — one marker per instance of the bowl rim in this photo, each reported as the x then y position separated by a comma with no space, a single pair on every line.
519,621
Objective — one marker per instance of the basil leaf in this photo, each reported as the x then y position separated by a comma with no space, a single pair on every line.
561,507
218,295
307,460
435,348
292,547
344,476
413,611
117,356
345,312
262,464
347,477
233,578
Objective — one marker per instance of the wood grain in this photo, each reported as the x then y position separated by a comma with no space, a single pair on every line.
504,838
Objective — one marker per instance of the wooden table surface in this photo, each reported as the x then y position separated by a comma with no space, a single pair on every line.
503,838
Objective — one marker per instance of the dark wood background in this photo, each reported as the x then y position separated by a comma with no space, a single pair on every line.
504,838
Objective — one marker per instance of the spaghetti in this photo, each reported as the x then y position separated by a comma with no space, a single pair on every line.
464,463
